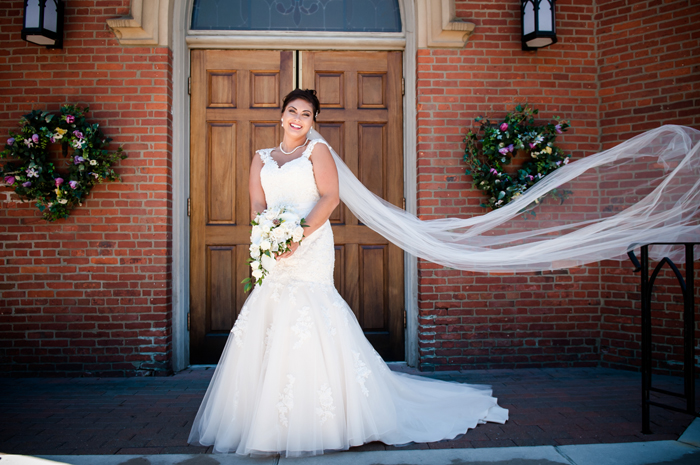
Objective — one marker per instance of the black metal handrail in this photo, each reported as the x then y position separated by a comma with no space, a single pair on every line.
688,289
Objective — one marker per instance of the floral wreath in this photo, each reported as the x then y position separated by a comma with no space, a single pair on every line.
33,177
487,156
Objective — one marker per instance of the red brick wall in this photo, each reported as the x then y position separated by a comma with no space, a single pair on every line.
474,320
598,75
89,294
649,60
620,326
649,75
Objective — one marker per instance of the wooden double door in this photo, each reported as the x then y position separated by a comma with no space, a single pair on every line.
236,99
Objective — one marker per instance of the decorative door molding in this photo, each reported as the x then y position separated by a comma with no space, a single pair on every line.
147,23
438,26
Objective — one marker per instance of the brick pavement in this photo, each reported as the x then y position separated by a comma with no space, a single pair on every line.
551,406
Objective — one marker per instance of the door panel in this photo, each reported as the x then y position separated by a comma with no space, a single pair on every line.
236,98
361,117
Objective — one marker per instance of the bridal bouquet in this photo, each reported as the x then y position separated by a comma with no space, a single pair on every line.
273,232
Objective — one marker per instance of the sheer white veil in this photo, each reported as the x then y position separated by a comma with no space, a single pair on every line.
644,190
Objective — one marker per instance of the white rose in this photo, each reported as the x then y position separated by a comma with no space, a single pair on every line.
266,226
254,251
257,274
268,262
298,234
265,244
255,264
272,213
278,234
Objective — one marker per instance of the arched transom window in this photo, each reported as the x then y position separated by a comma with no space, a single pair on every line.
297,15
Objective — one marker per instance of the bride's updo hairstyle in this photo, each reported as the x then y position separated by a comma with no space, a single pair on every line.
304,94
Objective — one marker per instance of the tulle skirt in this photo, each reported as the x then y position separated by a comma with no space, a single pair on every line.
298,377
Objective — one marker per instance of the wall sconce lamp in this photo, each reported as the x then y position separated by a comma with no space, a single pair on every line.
43,22
538,23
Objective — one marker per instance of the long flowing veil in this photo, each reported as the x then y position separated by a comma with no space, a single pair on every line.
644,190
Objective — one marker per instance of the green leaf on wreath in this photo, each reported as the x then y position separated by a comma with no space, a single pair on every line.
42,188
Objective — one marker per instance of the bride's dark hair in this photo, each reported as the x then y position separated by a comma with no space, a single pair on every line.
304,94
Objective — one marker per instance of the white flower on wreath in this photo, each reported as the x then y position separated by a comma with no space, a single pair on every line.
93,162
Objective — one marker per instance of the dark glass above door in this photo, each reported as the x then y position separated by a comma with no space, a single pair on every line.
297,15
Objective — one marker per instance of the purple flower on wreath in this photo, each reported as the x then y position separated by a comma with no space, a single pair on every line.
504,127
35,138
70,119
532,178
59,181
78,134
505,150
532,145
26,184
10,180
73,184
78,160
11,141
52,139
493,171
558,163
558,128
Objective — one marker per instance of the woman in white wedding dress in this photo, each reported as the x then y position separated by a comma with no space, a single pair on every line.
297,375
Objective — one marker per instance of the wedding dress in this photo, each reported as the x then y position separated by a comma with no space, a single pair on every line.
297,375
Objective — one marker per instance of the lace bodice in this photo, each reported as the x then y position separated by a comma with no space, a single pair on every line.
294,184
291,184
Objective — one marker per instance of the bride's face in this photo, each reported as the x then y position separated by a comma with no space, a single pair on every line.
298,118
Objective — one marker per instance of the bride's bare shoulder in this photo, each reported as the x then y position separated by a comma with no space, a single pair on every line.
320,150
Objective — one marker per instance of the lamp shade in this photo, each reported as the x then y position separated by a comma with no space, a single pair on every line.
538,26
43,22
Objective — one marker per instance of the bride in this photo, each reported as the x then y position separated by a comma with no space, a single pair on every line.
297,375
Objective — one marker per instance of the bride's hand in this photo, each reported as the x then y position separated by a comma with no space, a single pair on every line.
294,246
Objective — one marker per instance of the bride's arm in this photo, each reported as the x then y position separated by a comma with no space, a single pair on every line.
255,190
326,176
